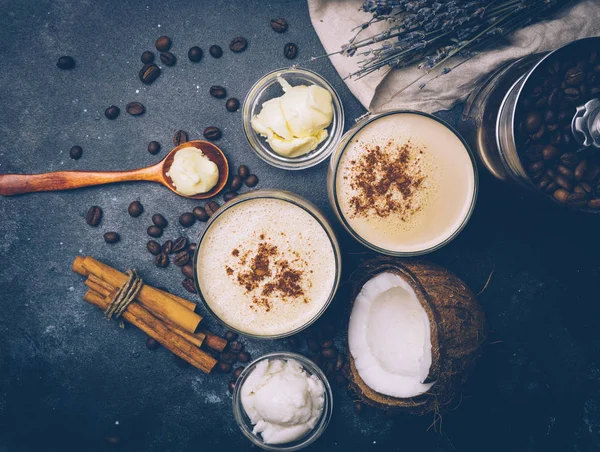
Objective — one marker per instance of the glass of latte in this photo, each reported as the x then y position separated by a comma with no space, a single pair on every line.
402,183
268,264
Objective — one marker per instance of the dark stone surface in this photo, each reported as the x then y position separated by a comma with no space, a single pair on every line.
68,378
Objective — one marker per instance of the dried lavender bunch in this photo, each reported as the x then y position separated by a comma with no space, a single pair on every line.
430,32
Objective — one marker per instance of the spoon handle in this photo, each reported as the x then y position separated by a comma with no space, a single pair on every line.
15,184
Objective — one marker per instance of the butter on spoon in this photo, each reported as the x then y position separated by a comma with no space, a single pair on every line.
192,172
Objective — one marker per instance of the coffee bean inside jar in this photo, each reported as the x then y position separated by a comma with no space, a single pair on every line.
554,159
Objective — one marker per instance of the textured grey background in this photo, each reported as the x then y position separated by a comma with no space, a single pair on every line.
68,378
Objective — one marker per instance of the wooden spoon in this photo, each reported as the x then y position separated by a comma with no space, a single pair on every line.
15,184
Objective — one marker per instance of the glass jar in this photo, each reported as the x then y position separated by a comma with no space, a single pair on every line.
268,88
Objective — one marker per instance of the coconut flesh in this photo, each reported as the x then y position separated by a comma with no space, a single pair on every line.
389,337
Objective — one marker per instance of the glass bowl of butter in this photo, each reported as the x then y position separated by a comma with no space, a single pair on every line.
293,118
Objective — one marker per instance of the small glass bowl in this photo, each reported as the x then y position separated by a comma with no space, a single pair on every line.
268,88
246,426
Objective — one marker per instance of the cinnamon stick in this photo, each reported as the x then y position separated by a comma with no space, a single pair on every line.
153,327
213,341
160,303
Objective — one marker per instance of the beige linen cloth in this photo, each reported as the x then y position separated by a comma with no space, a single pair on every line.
334,20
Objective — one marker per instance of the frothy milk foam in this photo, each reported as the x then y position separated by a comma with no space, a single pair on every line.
444,198
228,248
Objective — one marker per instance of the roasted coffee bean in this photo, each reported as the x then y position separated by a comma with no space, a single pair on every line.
580,170
574,76
188,270
594,203
313,345
243,171
180,244
212,133
359,407
537,91
327,343
168,58
135,209
251,180
569,160
290,50
163,43
549,152
540,133
542,102
211,207
153,247
563,182
232,104
244,357
536,166
586,187
167,247
537,176
228,196
149,73
76,152
556,138
147,57
579,189
154,231
534,153
543,183
161,260
231,336
181,258
550,117
228,357
152,344
552,186
577,199
329,353
231,386
65,62
215,51
135,108
188,284
339,363
180,362
154,147
279,25
224,368
93,216
159,220
217,91
555,98
200,214
237,372
112,112
180,137
568,173
186,219
192,248
592,172
236,182
236,346
111,237
572,94
195,54
552,127
238,44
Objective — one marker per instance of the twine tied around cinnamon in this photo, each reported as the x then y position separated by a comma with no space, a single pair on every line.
125,295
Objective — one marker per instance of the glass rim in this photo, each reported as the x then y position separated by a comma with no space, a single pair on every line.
347,138
320,154
310,208
240,414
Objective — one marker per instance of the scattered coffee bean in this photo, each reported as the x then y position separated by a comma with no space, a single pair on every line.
563,182
224,368
163,43
154,147
161,260
550,152
154,231
228,357
135,209
181,258
217,91
200,213
93,216
359,407
236,182
577,199
153,247
188,270
76,152
65,62
180,362
563,170
211,207
228,196
215,51
188,284
231,386
238,44
251,180
167,247
561,195
168,58
186,219
192,248
243,171
580,170
232,104
180,244
147,57
237,372
244,357
135,108
329,353
290,50
313,345
195,54
236,346
212,133
111,237
159,220
112,112
231,336
180,137
152,344
149,73
279,25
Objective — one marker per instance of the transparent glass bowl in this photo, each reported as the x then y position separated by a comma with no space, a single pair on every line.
246,426
300,202
268,88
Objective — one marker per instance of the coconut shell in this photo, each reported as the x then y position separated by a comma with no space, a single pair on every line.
457,326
